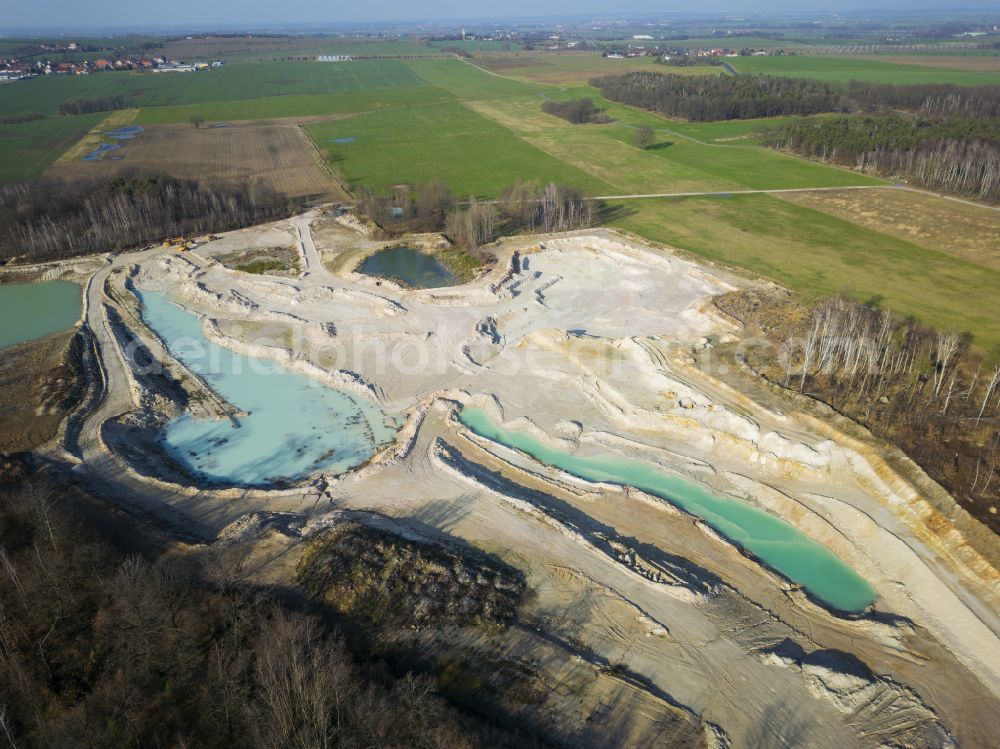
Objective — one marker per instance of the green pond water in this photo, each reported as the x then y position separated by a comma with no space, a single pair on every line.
295,425
414,268
34,310
776,543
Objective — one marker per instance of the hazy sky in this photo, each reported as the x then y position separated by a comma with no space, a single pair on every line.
69,14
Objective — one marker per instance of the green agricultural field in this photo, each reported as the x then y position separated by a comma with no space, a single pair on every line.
297,105
9,46
19,46
732,132
27,149
817,254
576,69
604,151
756,168
845,68
230,83
724,164
475,45
449,142
374,48
467,81
675,164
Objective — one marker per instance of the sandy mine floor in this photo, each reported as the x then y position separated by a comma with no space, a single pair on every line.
589,347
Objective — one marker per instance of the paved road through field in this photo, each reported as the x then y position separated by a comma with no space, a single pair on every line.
778,191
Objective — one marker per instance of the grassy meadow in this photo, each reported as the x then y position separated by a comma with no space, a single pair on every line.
449,142
674,164
27,149
297,105
464,80
729,132
229,83
474,45
576,69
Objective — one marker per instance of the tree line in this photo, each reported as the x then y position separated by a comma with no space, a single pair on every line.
101,646
55,218
19,118
706,98
931,100
741,97
472,223
928,391
675,60
576,111
957,155
95,104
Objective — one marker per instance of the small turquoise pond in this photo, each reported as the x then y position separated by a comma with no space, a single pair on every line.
409,266
776,543
295,426
34,310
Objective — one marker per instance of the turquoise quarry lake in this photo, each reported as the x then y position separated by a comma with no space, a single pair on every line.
295,425
776,543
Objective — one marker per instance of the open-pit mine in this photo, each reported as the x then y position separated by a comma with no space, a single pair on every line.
706,561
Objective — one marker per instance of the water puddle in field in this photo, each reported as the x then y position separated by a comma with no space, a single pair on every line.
129,132
351,139
125,133
411,267
98,153
774,542
294,427
35,310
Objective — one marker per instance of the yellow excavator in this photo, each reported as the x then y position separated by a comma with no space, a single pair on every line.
178,243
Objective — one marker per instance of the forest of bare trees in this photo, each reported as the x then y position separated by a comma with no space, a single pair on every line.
423,208
957,156
102,647
930,392
524,207
51,218
20,118
472,223
95,104
705,98
930,100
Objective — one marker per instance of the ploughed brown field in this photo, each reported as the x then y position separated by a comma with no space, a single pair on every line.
274,151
